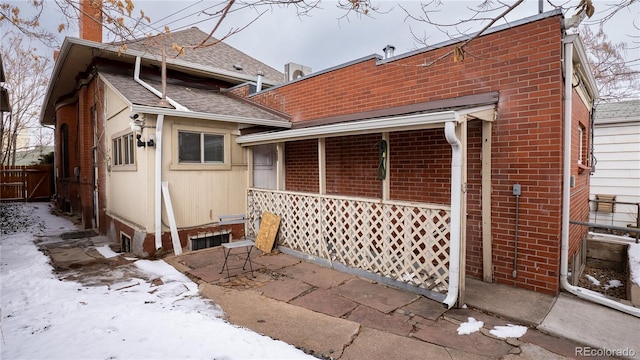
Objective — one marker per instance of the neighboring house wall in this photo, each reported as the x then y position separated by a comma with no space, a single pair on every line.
524,65
617,154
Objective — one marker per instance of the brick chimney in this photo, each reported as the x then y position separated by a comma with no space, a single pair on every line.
91,20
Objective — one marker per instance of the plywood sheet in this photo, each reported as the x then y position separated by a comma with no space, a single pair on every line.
267,232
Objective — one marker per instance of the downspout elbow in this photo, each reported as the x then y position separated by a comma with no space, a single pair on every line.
454,239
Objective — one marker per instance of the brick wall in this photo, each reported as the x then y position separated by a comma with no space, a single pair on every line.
301,164
524,65
352,166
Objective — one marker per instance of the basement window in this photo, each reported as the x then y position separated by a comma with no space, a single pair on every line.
125,243
209,240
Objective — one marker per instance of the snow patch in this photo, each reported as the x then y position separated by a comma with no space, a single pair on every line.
593,280
634,263
106,252
508,331
472,325
613,283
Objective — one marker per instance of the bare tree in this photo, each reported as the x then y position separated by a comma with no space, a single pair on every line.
616,79
27,76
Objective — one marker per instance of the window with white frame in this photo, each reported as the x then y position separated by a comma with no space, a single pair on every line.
200,148
582,144
123,150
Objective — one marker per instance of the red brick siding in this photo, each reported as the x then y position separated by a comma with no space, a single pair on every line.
524,65
420,168
352,166
301,164
580,193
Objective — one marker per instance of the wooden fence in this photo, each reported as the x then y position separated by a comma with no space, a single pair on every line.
26,183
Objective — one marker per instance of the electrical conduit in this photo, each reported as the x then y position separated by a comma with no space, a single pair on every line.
566,194
454,239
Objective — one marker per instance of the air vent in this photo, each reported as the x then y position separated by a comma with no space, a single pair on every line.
209,240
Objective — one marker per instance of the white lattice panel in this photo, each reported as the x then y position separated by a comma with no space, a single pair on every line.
405,242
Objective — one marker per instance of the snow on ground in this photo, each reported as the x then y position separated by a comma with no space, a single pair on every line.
613,283
44,317
593,280
634,263
508,331
469,327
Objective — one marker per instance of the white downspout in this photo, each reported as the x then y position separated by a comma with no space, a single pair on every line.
136,77
456,186
566,194
158,182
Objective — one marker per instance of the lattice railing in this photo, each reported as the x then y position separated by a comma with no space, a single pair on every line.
406,242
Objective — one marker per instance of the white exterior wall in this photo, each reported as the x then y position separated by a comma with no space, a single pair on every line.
617,171
126,186
199,193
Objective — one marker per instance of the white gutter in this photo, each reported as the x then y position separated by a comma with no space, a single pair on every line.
209,116
566,198
158,182
351,128
456,186
136,77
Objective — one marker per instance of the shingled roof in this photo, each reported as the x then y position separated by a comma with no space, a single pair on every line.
623,111
193,98
217,54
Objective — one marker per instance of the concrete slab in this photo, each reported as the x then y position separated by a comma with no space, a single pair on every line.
275,262
554,344
316,275
377,296
574,319
69,258
519,305
456,354
533,352
326,302
444,333
203,258
374,344
394,323
426,308
316,333
284,289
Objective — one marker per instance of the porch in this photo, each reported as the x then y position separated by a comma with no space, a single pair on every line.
384,197
402,244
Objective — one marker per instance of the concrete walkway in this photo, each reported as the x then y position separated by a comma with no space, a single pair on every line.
334,315
337,315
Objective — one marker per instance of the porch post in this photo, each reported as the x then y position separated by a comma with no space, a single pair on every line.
249,166
280,167
487,262
386,182
322,166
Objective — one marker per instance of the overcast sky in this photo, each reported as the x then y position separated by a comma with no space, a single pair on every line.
324,39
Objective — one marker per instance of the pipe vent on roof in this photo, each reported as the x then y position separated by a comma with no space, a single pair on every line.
388,51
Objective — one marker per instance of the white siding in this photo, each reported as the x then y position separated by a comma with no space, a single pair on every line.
617,170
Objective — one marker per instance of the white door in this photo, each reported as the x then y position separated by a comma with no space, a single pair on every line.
264,166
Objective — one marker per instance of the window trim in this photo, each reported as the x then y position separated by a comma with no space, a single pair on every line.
177,165
121,153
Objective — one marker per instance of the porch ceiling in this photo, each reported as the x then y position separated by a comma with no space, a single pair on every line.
405,122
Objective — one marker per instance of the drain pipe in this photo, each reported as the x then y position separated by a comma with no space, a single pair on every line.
158,182
566,195
456,185
136,77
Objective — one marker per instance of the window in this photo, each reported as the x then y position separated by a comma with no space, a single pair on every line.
64,147
200,148
123,150
580,144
